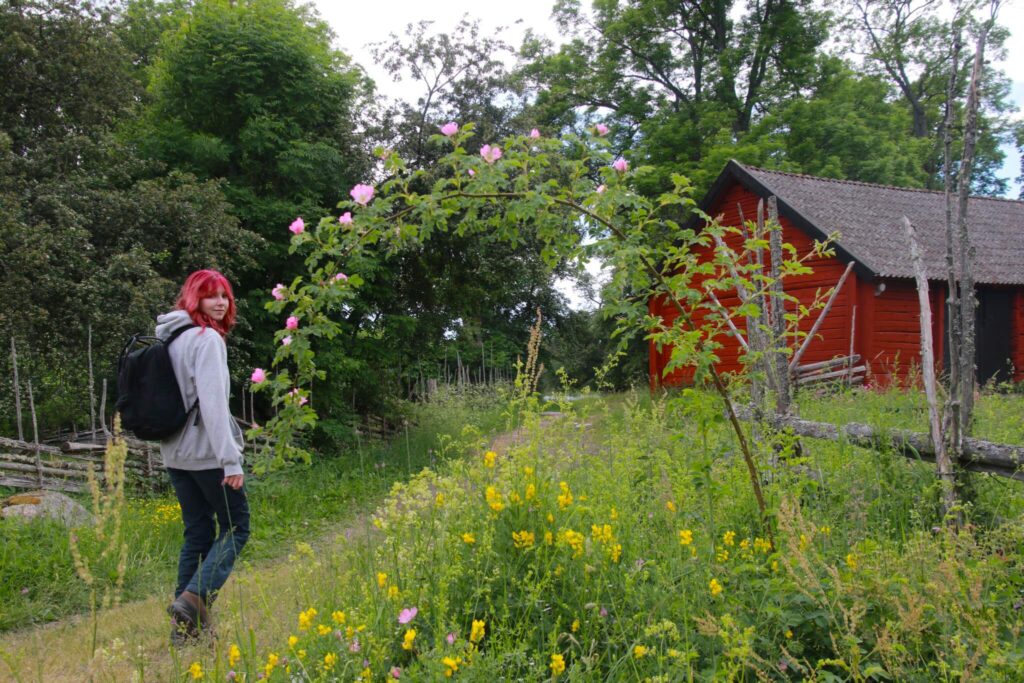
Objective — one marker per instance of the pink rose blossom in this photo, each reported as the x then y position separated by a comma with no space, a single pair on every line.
286,340
450,128
407,615
345,218
535,134
298,226
341,276
292,323
620,165
601,188
471,173
278,291
450,638
490,154
362,194
258,376
601,129
396,673
302,399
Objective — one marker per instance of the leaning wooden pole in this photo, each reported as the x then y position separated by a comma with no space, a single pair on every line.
946,466
92,384
953,335
780,367
821,318
17,391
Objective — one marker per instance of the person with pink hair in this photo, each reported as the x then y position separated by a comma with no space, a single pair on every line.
204,458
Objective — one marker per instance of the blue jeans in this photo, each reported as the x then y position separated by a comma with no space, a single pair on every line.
207,557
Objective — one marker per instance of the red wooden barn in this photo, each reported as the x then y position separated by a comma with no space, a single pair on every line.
886,324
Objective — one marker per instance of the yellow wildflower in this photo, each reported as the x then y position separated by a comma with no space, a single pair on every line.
439,499
408,639
551,518
685,537
330,659
722,556
549,538
528,471
292,641
349,631
523,539
477,631
639,651
803,542
827,530
789,634
468,538
601,534
574,540
301,654
234,654
196,670
616,552
272,660
614,514
494,499
670,506
715,587
565,498
775,565
451,665
489,458
338,617
365,674
557,665
673,653
575,625
514,498
763,545
531,491
851,561
323,629
306,619
392,592
382,579
729,538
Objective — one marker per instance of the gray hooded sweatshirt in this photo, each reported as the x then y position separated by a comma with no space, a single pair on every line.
200,360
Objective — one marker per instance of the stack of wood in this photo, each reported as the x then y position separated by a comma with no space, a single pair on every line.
24,464
847,370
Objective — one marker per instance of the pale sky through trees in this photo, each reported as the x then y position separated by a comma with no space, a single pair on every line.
359,24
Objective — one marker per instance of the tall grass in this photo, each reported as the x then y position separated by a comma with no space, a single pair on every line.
631,550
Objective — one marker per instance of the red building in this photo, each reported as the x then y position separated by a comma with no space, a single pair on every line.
886,325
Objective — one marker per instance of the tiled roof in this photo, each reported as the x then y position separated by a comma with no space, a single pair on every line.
868,218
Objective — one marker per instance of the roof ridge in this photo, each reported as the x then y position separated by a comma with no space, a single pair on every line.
865,184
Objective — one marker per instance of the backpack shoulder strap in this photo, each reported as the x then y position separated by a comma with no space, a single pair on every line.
177,333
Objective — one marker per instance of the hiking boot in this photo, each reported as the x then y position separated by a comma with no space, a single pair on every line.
189,615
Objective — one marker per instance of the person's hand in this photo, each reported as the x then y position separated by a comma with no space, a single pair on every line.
234,481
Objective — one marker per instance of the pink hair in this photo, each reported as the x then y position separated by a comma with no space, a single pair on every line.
198,286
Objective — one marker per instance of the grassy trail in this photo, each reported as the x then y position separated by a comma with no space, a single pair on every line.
133,638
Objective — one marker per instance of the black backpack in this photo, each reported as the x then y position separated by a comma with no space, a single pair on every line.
148,395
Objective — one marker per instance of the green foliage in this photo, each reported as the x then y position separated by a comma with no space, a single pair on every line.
38,582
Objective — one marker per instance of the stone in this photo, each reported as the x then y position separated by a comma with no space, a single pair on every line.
46,505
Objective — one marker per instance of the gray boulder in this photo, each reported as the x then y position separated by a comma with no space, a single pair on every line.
45,504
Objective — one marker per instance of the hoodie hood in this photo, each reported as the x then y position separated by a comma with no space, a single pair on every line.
167,323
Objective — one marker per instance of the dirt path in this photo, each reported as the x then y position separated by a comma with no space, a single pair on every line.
256,606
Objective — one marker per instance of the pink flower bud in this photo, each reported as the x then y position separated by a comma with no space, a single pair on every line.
278,291
298,226
450,638
258,376
535,134
362,194
471,173
396,673
285,341
601,129
601,188
295,393
620,165
292,323
450,128
341,276
345,218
